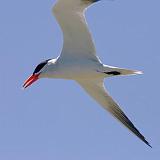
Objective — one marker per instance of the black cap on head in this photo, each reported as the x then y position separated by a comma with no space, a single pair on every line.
40,66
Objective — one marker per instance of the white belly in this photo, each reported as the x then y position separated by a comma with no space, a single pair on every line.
75,71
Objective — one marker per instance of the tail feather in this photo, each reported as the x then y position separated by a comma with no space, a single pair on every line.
115,71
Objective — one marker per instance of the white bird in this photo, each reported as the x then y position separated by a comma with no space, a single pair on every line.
78,60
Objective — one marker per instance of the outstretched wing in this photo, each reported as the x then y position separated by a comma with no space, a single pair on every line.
78,42
96,89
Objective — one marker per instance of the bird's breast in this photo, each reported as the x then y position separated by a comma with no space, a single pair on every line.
75,71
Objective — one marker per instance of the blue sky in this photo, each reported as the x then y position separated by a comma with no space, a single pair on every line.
56,119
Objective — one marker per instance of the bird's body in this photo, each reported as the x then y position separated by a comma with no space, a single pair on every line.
73,70
78,60
81,70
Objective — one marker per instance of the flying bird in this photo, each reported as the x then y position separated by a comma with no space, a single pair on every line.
78,60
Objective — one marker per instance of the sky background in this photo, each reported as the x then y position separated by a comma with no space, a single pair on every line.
56,119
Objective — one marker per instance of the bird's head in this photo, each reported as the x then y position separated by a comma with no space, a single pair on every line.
37,73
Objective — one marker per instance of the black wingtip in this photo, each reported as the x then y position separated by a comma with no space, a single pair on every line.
147,143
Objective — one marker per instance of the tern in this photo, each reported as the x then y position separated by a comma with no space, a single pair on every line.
78,60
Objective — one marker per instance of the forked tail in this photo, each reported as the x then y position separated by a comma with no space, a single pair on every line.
115,71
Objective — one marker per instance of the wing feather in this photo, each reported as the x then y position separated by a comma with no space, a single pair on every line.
78,41
97,90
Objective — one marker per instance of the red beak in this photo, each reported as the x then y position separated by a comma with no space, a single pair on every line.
30,80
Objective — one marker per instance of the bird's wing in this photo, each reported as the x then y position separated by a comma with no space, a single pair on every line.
96,89
78,42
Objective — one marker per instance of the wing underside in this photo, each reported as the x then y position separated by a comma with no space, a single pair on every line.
78,41
97,90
